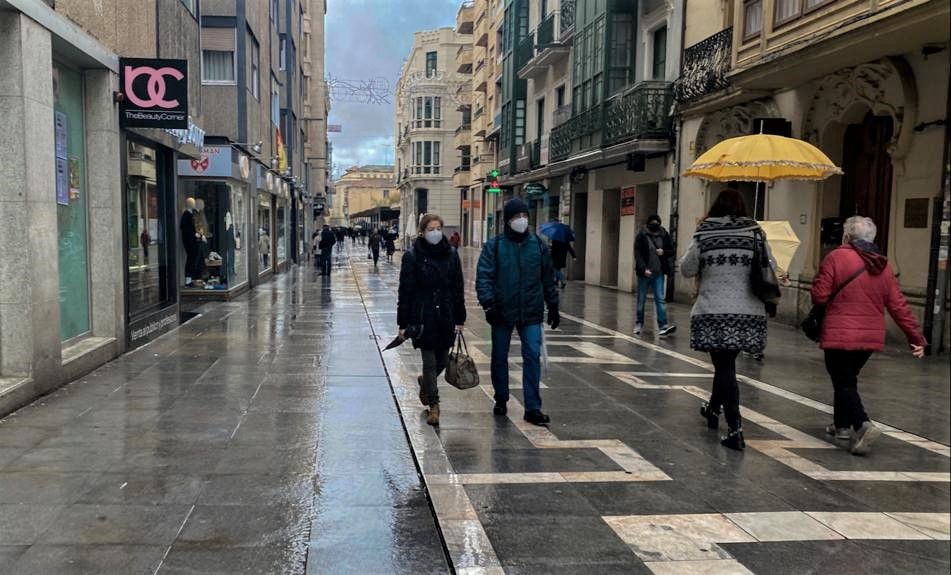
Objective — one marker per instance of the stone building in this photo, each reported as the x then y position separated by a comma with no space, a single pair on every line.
867,82
364,187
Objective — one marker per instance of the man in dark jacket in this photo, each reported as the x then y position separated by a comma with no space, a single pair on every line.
515,281
326,245
653,253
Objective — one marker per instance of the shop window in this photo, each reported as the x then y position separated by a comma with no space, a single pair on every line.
147,217
71,199
214,252
282,235
264,233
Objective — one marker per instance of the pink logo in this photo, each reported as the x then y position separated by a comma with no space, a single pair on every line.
200,165
155,86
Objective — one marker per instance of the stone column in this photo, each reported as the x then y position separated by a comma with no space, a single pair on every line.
29,281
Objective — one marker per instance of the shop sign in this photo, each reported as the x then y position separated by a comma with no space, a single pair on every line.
145,330
534,190
244,166
270,181
193,135
628,201
154,93
214,162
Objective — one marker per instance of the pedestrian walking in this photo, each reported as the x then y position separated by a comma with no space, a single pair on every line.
856,284
389,242
515,282
327,240
560,236
653,253
455,240
431,306
727,317
374,245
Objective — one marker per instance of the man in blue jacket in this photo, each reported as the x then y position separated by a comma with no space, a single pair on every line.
514,283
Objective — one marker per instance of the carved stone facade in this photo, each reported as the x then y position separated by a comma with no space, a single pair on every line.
732,122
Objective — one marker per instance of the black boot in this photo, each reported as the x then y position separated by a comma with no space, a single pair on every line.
536,417
711,415
734,440
423,397
500,408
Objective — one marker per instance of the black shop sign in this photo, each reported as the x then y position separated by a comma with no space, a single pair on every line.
154,93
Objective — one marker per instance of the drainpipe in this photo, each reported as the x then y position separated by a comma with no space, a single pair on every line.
940,244
675,184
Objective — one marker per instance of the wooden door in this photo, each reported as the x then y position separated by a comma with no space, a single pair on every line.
867,182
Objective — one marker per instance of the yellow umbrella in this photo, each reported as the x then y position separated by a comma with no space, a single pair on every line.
782,241
763,158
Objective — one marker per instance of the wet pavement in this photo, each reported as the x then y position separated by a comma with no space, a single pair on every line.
270,435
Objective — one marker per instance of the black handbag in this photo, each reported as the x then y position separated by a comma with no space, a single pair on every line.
762,276
812,325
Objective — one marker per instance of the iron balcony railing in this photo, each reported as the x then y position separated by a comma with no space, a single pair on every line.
545,34
536,160
705,66
567,17
525,51
561,115
641,112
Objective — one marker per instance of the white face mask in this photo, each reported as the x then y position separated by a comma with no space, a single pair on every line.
519,225
433,236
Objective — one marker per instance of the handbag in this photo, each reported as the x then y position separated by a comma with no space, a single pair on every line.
461,372
762,276
812,325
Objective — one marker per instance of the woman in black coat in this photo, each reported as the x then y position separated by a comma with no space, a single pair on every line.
432,306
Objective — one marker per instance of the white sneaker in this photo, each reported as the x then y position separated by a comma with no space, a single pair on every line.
637,330
666,330
839,432
863,438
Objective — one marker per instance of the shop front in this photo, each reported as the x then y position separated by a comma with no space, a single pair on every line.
265,219
283,225
214,197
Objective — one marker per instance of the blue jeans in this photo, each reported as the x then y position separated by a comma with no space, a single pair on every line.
531,337
657,283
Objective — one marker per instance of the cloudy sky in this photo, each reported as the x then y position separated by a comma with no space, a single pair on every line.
369,39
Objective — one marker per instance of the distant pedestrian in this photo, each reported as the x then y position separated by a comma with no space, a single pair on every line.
653,253
515,282
431,305
327,240
455,240
560,236
854,324
374,245
389,242
727,317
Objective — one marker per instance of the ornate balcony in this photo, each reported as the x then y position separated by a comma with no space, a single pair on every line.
568,137
567,27
705,66
643,112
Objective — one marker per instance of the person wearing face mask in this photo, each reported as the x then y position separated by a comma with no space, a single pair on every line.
431,305
653,251
515,282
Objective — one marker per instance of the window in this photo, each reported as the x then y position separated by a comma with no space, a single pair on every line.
621,60
752,18
789,10
275,102
426,157
217,56
283,53
540,118
386,194
254,77
659,60
560,96
428,112
272,10
430,64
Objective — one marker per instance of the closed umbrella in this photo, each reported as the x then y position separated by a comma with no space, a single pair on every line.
783,243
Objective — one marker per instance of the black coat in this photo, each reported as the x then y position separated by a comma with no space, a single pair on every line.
327,240
645,255
431,293
559,254
188,229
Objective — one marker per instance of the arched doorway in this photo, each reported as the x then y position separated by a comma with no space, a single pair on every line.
866,187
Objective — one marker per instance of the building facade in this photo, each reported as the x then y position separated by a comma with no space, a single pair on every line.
866,82
364,187
429,109
316,106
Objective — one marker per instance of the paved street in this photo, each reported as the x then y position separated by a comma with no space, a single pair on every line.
263,437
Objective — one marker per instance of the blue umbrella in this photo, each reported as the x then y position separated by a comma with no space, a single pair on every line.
557,232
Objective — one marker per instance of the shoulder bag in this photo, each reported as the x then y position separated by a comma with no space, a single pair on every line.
812,325
762,276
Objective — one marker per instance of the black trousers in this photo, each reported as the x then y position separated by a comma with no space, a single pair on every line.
327,256
726,391
844,367
434,363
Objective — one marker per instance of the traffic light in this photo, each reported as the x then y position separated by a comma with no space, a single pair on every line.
494,187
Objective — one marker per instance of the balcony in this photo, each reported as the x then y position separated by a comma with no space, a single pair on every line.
461,176
464,59
525,51
463,137
705,66
496,126
566,24
561,115
478,76
548,50
465,17
640,113
481,31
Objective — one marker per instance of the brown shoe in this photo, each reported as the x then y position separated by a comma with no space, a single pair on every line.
423,398
433,418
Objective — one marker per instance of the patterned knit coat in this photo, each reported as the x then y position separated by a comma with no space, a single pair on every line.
727,314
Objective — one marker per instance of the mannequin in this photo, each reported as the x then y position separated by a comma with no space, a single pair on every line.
192,239
229,246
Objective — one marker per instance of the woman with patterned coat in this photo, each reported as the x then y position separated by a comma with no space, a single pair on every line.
727,317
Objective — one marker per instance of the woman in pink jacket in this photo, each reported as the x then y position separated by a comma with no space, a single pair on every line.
854,324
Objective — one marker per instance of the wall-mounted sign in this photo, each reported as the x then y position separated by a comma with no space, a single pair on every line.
628,201
270,181
214,162
916,212
155,93
244,166
534,190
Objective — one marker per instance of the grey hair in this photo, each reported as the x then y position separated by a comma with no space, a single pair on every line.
860,228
